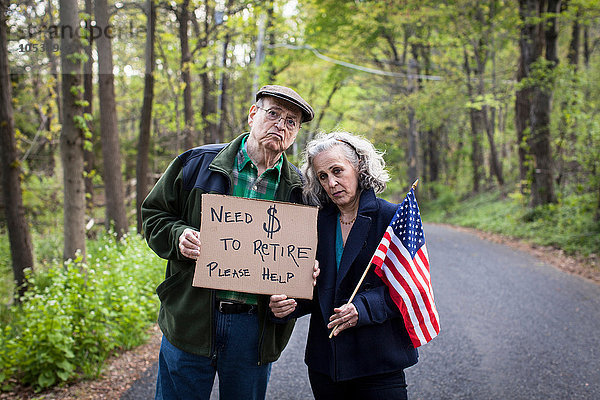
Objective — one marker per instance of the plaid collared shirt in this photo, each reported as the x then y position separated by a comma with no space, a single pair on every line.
247,183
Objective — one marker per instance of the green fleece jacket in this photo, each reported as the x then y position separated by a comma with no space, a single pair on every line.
174,204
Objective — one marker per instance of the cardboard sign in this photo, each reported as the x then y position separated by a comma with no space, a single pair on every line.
256,246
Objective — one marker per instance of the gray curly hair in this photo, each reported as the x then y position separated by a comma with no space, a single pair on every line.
368,161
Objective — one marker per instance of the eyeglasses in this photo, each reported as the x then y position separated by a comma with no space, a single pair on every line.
275,115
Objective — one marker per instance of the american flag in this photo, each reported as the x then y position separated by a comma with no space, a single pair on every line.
402,262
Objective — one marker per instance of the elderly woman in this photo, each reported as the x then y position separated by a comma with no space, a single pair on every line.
370,348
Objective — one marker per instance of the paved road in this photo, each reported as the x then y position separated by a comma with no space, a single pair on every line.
512,328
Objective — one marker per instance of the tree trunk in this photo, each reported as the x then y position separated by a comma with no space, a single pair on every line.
530,50
587,53
260,50
222,100
21,249
477,127
413,134
337,85
573,55
495,165
271,71
482,54
567,130
431,140
413,140
522,105
208,109
183,16
143,150
433,154
71,139
109,135
88,95
51,54
483,47
54,93
476,118
542,185
490,119
597,219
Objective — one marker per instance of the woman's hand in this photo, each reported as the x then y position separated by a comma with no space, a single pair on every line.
189,243
281,306
316,272
345,317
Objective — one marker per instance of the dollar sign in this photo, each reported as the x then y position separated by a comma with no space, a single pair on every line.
269,226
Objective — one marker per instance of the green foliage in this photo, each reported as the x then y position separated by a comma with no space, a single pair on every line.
75,315
7,285
438,199
77,58
542,75
568,225
43,200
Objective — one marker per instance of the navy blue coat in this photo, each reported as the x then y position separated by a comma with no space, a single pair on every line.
379,342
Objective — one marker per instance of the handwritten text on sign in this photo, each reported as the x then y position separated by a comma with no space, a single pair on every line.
256,246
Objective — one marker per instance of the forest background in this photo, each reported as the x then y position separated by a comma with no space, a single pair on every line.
493,105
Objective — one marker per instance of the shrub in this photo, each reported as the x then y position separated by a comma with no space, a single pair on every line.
75,314
568,225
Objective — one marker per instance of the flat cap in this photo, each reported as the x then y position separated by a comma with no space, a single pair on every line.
289,95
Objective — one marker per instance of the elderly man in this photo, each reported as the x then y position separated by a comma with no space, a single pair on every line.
209,331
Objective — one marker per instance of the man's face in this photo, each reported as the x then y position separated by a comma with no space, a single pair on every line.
274,124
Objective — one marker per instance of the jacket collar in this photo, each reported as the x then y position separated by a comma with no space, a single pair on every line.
367,208
224,161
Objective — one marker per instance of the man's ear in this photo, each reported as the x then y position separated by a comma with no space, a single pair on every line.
251,114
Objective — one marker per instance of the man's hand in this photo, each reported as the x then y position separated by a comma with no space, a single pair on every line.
281,306
345,317
189,243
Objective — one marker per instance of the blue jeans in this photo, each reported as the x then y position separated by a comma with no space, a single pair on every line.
187,376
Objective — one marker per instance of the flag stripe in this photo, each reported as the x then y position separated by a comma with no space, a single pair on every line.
381,249
414,332
423,267
425,297
410,266
424,259
407,275
424,263
417,293
414,320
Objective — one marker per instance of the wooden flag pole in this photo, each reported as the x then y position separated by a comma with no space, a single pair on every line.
355,291
364,275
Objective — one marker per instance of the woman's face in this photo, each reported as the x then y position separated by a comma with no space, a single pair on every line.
337,176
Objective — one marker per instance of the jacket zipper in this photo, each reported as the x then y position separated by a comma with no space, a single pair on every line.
213,299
